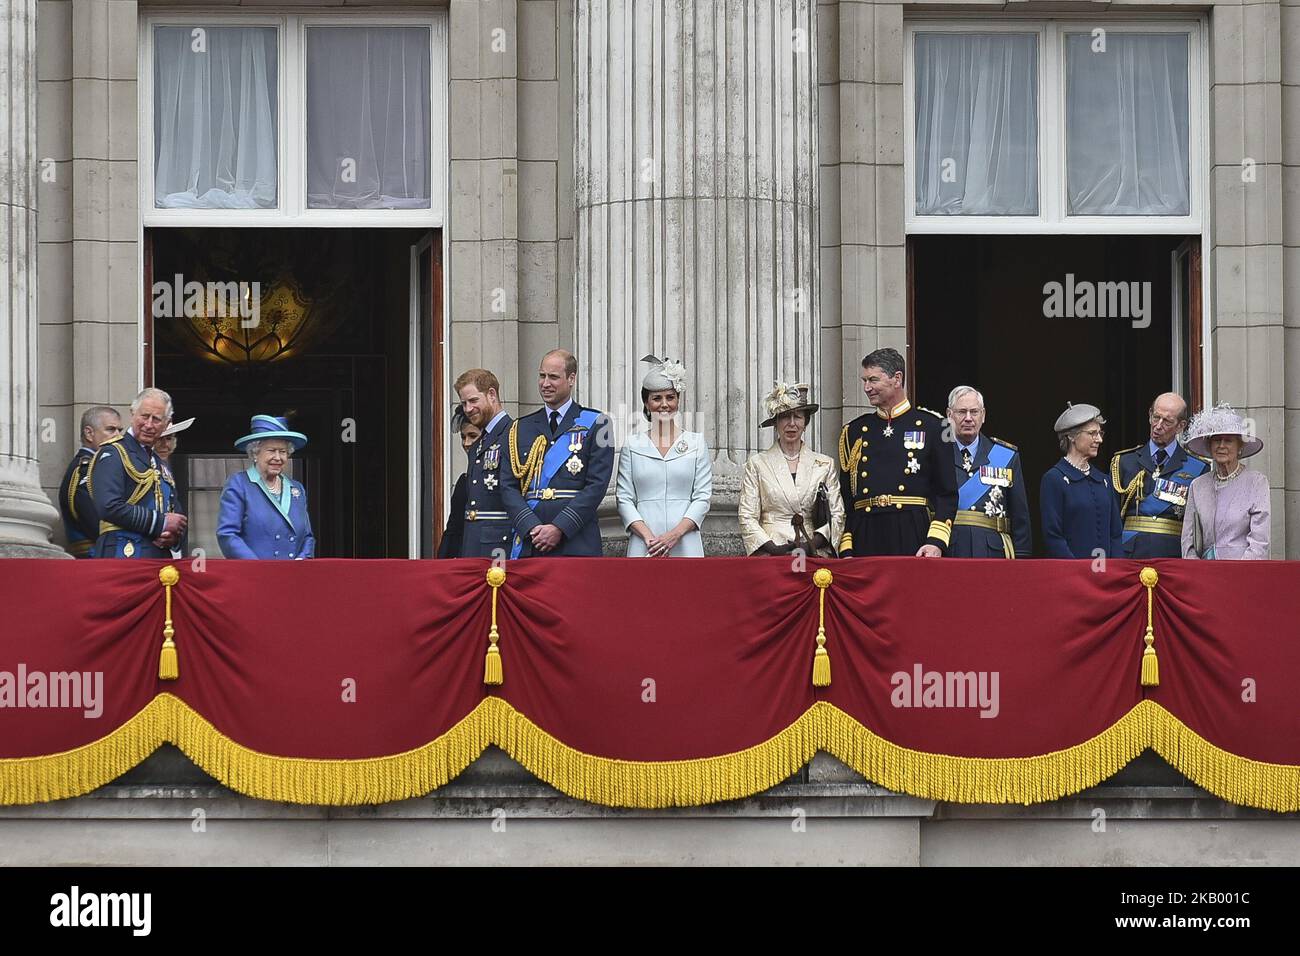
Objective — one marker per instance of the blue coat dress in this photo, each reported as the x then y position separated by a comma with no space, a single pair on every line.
249,525
1080,513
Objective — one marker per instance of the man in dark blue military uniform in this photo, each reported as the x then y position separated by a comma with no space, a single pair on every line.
896,477
487,524
560,461
1152,481
80,522
992,518
139,515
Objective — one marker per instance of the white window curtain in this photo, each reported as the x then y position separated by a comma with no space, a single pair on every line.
215,92
1127,125
368,118
976,124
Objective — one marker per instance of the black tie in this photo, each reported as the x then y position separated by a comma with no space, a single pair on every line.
1161,457
555,422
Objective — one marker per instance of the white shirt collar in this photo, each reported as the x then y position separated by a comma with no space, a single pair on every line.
1169,449
561,411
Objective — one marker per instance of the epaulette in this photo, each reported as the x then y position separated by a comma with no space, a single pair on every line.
1004,444
109,441
922,408
1125,451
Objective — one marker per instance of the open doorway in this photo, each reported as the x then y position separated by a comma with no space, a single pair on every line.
347,343
1036,321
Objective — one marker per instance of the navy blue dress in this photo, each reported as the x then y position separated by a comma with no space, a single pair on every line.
1080,513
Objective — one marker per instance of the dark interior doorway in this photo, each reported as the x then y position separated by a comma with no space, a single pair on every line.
977,316
332,350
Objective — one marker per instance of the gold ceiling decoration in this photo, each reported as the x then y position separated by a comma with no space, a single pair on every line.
256,327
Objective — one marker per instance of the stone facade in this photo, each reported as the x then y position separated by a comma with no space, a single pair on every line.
516,126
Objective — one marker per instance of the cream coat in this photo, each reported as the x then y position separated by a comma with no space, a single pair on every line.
769,499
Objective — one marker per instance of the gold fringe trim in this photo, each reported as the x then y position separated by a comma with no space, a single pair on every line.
1240,780
953,779
168,719
660,783
650,784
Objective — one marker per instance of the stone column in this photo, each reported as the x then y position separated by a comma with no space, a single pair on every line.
26,515
696,201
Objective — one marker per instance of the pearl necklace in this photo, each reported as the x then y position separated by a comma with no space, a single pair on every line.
1224,479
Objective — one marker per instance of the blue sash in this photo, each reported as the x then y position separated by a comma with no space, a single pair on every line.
1153,507
552,462
972,489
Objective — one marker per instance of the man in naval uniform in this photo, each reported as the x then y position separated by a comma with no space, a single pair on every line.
992,510
560,461
1152,481
896,475
487,523
139,514
80,522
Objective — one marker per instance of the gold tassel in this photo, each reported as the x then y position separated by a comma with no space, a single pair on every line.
1150,665
821,675
168,663
492,672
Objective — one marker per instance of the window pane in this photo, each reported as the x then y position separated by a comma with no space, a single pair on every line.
368,118
1126,125
214,117
976,124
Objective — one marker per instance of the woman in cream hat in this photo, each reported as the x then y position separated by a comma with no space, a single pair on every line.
789,495
665,479
1227,507
1079,507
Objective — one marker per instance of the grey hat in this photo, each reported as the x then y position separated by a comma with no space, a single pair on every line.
664,374
1222,419
1075,415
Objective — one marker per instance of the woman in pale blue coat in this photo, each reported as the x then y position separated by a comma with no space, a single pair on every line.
263,511
664,477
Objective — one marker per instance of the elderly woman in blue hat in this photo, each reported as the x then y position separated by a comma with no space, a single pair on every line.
263,511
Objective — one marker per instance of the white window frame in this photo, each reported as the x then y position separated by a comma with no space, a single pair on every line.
1052,201
291,124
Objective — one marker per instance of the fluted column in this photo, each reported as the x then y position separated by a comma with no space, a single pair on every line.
26,515
696,195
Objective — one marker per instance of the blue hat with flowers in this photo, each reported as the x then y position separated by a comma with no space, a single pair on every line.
269,426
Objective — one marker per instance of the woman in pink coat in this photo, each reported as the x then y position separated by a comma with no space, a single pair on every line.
1226,517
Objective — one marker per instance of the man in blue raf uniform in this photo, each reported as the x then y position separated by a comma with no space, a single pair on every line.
992,510
896,477
560,461
80,522
1152,481
139,516
487,524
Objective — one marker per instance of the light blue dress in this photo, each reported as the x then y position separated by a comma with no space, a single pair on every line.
662,489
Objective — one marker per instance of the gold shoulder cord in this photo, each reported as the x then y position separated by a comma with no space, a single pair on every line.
71,493
528,470
849,458
1131,491
145,481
